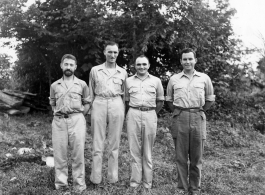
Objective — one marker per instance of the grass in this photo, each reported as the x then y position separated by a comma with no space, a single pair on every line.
234,161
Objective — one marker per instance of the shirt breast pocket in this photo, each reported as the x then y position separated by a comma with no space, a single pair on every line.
75,100
179,91
117,84
198,91
133,91
151,91
58,95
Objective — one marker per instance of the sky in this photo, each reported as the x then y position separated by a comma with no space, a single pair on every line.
248,25
248,22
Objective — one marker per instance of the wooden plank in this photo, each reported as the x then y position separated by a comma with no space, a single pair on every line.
4,106
12,93
12,101
19,110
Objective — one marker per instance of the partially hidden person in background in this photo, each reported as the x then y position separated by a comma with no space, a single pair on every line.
69,100
106,85
144,99
189,94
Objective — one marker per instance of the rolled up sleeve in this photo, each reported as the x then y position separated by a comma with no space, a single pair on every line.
127,97
85,95
160,91
52,97
91,86
209,91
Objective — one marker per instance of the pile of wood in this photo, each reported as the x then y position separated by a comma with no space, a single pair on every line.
17,102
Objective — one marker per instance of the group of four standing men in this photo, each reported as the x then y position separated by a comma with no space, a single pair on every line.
189,94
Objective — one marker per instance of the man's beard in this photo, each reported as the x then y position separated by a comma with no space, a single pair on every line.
68,73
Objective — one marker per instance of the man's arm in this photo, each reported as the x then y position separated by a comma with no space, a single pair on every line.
52,99
170,95
124,88
86,108
170,105
159,96
209,94
126,107
207,105
85,98
127,97
91,86
159,105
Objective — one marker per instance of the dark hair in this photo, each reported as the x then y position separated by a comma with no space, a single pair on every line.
142,56
110,43
68,56
187,50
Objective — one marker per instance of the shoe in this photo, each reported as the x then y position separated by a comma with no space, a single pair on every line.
134,185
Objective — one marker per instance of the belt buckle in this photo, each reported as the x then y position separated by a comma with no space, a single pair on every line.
144,109
194,110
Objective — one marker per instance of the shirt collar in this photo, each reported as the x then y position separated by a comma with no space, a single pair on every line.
194,73
60,81
103,67
136,76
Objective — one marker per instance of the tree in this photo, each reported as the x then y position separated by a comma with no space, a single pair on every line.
5,71
160,29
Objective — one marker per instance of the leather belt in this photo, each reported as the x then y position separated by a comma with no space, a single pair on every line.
66,115
193,110
143,108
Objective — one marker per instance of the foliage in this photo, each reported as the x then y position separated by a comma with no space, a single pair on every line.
157,28
160,29
5,71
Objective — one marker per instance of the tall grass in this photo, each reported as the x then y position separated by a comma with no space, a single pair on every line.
233,161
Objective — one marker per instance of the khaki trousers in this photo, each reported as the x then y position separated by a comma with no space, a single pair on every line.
187,132
106,112
70,130
141,128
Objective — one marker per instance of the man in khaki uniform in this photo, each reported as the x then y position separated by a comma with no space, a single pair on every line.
144,98
189,95
69,100
106,84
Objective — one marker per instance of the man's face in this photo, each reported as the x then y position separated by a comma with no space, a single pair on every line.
188,61
141,66
68,66
111,52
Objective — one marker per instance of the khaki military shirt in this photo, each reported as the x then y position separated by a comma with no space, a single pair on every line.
144,93
190,92
69,100
105,84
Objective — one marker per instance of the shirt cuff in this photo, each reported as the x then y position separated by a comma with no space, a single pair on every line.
162,98
210,98
52,102
85,100
169,99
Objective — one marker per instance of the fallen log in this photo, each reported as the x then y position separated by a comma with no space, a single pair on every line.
4,106
20,94
12,101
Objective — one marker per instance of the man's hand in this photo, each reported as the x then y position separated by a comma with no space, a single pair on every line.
171,106
88,119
